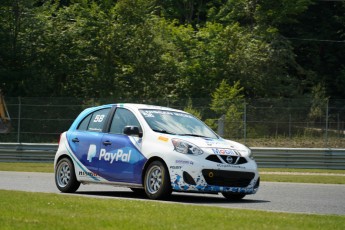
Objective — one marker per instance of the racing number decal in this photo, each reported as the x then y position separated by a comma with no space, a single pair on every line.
99,118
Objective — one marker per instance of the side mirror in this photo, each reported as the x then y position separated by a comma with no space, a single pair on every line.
132,131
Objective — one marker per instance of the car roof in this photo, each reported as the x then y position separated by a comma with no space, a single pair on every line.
145,106
123,105
131,106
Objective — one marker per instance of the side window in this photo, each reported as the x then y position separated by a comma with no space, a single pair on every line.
121,119
85,123
95,121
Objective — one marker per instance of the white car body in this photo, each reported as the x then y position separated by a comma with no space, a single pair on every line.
194,163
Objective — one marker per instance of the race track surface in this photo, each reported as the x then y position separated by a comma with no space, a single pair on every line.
281,197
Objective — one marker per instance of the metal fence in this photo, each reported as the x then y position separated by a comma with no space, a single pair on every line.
266,122
315,158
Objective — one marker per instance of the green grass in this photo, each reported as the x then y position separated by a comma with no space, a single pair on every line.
303,179
27,167
323,179
24,210
303,175
332,171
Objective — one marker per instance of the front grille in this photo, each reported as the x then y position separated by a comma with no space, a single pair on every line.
227,178
217,159
214,158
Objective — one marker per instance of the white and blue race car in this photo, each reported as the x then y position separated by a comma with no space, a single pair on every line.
153,150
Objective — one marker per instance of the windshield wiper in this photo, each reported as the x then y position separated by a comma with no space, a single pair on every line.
192,134
163,131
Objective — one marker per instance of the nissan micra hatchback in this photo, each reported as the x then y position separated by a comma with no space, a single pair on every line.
153,150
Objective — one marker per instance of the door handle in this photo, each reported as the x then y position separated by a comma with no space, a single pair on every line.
106,143
75,140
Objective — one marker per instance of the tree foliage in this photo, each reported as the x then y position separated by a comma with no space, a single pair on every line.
129,49
228,103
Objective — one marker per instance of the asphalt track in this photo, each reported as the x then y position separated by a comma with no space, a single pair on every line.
278,197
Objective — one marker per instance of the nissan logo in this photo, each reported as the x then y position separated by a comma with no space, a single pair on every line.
229,159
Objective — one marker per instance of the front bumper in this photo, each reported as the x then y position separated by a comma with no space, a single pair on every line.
211,177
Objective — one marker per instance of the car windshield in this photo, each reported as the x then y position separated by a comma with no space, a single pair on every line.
176,123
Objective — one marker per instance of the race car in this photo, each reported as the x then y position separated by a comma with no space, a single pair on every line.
152,150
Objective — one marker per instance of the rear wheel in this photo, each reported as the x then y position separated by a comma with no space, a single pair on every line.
157,181
65,178
233,196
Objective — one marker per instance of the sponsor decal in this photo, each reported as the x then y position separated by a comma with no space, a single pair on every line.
175,167
82,173
183,162
161,138
117,156
211,142
230,166
91,153
151,113
95,129
225,152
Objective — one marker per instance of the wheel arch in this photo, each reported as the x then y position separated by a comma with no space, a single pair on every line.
148,162
63,156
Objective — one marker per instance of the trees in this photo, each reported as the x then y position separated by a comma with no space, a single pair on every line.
318,41
228,104
14,70
170,49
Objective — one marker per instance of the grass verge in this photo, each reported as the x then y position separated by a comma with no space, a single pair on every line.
318,179
27,167
320,176
24,210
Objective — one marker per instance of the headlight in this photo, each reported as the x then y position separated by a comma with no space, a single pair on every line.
247,152
186,147
250,154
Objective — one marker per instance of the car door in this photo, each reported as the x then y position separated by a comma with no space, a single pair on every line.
120,158
85,141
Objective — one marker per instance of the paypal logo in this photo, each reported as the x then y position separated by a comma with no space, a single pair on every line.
91,153
108,156
117,156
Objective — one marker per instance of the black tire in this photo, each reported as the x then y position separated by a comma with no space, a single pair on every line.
233,196
65,178
157,181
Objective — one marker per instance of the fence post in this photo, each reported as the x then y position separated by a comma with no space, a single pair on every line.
220,130
326,131
338,125
290,125
19,118
244,121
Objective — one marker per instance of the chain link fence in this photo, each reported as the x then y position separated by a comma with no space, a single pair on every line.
265,122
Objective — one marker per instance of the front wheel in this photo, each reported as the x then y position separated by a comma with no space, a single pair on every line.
157,181
233,196
65,178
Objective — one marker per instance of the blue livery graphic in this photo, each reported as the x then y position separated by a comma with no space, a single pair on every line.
152,149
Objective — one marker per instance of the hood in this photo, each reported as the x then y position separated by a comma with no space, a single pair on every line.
213,143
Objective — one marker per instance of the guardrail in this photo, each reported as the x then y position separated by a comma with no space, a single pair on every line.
317,158
320,158
27,152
